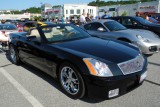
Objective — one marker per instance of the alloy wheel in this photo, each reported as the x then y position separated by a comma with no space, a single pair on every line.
69,80
13,54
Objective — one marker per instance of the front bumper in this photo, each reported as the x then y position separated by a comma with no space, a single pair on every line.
148,48
100,87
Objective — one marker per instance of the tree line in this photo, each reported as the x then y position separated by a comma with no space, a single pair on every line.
118,2
29,10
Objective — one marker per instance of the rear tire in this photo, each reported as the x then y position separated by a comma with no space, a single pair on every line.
71,81
14,55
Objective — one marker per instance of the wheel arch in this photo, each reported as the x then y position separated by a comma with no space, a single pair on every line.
77,67
68,61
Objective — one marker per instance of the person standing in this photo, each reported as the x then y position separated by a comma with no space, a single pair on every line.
106,15
82,19
63,20
88,19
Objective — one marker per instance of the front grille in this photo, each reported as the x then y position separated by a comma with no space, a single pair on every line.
132,66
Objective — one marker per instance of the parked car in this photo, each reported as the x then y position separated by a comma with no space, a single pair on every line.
33,24
151,19
134,22
5,30
82,64
148,42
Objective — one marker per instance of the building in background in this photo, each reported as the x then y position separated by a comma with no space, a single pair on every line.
75,10
44,8
131,9
67,11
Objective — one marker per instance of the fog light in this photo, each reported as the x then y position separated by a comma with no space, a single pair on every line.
113,93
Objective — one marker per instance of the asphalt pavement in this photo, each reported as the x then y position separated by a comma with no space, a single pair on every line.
25,86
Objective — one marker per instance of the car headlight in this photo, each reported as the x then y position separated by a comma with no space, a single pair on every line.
97,68
142,38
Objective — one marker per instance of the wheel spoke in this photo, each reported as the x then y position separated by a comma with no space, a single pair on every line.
70,73
75,81
65,74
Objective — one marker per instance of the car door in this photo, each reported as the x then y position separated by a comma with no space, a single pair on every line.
34,52
92,29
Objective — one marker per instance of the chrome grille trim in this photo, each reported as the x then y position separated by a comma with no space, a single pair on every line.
132,66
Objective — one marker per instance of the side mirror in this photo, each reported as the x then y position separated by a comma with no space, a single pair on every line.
101,29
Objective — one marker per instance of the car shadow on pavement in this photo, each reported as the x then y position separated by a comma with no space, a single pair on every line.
154,63
52,81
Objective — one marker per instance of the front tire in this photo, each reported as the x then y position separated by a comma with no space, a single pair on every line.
14,55
71,81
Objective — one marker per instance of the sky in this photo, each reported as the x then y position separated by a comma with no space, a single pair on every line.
24,4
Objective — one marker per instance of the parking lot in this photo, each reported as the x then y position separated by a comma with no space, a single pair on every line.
24,86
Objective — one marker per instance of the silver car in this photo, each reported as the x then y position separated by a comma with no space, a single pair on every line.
147,41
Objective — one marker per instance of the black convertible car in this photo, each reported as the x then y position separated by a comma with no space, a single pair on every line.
82,64
134,22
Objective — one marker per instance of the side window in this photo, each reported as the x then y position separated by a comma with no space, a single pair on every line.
135,23
95,26
87,26
127,21
117,19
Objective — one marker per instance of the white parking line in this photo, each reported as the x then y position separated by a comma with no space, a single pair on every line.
21,89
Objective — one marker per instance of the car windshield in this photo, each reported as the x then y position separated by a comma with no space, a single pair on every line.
114,26
65,32
143,21
7,27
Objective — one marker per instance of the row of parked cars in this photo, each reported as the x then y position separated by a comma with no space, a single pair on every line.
147,41
101,59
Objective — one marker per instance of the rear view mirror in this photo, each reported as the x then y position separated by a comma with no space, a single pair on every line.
101,29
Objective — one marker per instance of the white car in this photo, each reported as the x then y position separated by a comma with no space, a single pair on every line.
5,30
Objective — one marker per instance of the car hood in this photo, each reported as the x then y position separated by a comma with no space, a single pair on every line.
144,33
99,49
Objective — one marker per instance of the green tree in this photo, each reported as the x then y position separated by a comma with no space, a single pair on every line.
124,13
121,2
33,10
16,12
